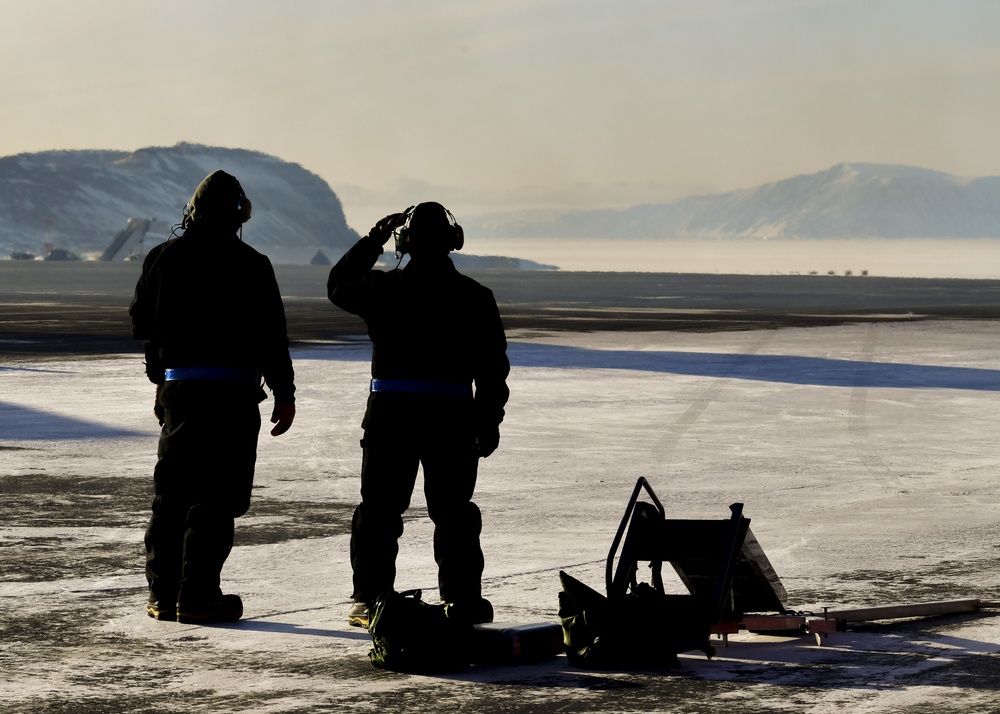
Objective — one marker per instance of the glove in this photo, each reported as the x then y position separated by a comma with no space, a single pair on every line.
282,417
157,407
487,441
382,231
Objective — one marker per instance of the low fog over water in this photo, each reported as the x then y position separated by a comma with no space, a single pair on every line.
897,258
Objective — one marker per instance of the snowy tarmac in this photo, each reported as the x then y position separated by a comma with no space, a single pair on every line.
865,454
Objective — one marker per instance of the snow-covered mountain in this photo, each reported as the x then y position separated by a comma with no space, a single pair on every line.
79,201
845,201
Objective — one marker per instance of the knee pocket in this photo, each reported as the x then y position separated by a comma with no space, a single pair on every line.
464,517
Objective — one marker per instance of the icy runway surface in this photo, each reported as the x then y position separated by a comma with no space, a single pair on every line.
866,457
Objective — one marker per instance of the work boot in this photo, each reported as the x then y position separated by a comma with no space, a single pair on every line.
358,616
475,612
162,609
227,608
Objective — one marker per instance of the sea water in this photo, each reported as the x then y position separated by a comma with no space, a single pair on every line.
902,258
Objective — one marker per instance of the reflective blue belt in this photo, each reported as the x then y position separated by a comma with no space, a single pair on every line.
422,386
207,373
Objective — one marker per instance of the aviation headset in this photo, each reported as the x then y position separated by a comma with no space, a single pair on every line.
243,205
451,237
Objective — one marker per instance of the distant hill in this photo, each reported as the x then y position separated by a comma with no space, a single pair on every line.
80,201
845,201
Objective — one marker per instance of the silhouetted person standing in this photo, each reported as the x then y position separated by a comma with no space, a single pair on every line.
438,390
210,318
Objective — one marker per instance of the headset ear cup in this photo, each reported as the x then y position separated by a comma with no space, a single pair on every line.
459,238
244,208
403,231
403,240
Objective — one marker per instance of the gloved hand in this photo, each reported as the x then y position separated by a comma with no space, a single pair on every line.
157,407
382,231
487,441
282,417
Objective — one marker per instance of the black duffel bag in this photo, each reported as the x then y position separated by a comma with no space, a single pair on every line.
410,635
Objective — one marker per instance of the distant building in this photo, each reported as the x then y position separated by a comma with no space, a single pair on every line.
61,254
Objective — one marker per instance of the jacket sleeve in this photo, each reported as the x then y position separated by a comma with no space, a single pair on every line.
492,368
143,314
277,363
349,286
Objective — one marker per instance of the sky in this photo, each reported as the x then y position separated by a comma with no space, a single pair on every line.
514,104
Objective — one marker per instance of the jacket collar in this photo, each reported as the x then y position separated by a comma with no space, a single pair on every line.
434,263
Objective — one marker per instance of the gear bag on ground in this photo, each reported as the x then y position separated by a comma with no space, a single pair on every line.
410,635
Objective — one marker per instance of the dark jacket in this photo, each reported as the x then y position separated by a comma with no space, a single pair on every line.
427,322
207,299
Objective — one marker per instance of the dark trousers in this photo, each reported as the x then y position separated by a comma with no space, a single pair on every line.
202,482
388,475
